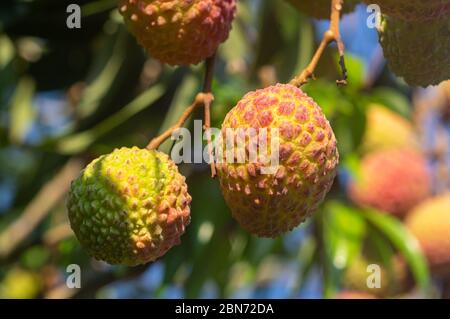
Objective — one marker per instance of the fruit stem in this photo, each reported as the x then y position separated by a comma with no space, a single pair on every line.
210,62
204,99
333,34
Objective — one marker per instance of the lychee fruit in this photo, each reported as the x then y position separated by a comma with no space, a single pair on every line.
414,10
392,181
19,283
179,32
129,207
320,9
429,222
417,52
282,118
386,129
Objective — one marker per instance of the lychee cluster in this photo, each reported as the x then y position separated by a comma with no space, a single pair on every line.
179,32
393,181
271,204
129,207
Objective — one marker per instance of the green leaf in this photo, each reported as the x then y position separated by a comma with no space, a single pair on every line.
405,243
392,99
79,142
355,71
344,230
22,113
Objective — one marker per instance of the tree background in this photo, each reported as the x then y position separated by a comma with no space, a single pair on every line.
68,96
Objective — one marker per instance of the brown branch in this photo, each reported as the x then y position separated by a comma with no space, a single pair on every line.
157,141
207,107
204,99
333,34
38,208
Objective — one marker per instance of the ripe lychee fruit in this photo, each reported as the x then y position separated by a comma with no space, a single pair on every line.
270,204
429,222
393,181
129,207
387,130
417,52
320,9
179,32
414,10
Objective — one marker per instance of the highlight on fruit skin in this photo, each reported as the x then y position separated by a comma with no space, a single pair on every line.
417,52
386,129
414,10
430,224
129,207
269,205
320,9
392,181
179,32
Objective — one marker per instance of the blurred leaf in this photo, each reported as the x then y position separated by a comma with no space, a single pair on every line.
35,257
104,72
97,7
343,231
392,99
406,244
355,71
81,141
22,113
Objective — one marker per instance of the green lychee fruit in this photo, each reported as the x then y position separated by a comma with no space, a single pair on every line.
320,9
417,52
429,222
270,204
179,32
387,130
129,207
392,181
19,283
414,10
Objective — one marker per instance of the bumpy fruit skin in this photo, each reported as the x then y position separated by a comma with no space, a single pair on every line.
129,207
417,52
270,204
387,130
393,181
414,10
430,224
179,32
320,9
